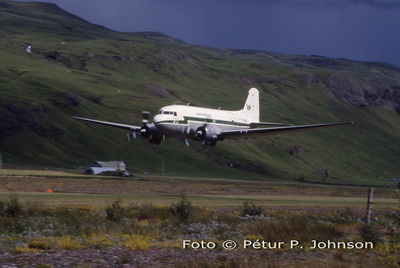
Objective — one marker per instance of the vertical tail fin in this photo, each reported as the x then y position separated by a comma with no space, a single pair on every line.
252,106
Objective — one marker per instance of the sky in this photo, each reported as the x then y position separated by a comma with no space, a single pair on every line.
361,30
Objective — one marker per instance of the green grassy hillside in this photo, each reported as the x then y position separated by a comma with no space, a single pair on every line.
77,68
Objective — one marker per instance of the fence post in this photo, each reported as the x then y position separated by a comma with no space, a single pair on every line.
369,205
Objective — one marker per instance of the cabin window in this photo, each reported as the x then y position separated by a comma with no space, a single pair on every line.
175,114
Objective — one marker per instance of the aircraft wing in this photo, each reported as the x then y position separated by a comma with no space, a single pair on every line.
111,124
264,124
245,133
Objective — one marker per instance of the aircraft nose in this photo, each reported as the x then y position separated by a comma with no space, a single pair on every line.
157,118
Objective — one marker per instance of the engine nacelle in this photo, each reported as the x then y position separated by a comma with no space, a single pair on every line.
207,133
150,132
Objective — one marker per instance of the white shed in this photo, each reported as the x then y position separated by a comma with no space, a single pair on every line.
97,170
101,166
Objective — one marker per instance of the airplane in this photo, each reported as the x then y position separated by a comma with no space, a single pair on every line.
208,125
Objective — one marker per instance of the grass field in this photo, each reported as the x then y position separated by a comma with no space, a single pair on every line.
101,221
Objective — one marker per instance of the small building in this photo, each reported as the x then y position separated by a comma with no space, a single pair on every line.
102,166
322,173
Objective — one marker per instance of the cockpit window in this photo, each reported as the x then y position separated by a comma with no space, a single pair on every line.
168,112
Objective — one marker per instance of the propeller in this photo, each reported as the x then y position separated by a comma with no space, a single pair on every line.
128,135
145,129
208,134
187,142
145,117
149,130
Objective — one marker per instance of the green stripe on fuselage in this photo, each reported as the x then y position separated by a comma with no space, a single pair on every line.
205,120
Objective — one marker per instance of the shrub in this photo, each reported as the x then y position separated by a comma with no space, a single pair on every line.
370,233
183,209
115,212
251,209
11,207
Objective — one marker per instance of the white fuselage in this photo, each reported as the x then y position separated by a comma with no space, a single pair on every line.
180,120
